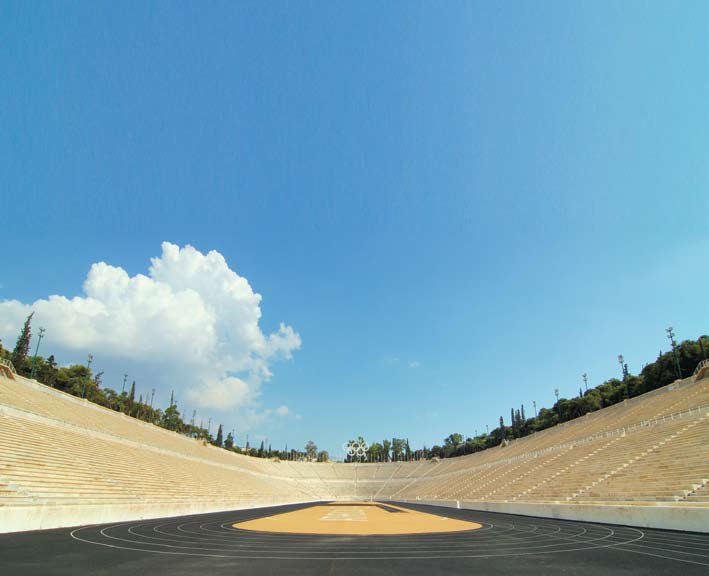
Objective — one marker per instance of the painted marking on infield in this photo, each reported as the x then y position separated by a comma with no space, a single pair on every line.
345,515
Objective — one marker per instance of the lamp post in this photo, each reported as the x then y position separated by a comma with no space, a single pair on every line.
34,359
534,403
585,381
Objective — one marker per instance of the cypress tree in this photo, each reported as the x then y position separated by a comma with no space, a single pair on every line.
22,347
220,436
131,398
51,371
513,422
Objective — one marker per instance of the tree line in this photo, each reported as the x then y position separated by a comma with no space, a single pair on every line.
81,381
679,362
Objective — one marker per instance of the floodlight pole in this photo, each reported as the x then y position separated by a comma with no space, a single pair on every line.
673,342
624,373
585,381
534,403
558,406
125,378
36,350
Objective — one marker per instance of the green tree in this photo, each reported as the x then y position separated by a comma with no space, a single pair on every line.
131,399
386,450
19,354
397,449
171,419
311,450
229,442
220,437
454,440
47,373
71,379
376,452
323,456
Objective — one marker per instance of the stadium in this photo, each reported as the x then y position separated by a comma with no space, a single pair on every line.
354,288
627,485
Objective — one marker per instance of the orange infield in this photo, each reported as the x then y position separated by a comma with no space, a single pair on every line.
359,518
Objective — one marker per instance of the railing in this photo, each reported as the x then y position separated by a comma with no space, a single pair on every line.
7,363
700,366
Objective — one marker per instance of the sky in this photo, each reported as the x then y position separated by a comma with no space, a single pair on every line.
320,220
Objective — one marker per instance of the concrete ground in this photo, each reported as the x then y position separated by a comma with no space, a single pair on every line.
209,544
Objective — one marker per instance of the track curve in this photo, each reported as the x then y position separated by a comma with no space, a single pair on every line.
501,536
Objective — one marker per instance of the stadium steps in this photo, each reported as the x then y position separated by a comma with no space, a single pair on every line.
551,485
699,494
510,488
60,450
668,462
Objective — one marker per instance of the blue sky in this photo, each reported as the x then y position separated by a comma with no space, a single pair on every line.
457,206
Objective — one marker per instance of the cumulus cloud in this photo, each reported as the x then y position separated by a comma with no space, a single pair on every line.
191,323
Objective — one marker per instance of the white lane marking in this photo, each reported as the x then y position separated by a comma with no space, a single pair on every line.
661,556
341,514
485,555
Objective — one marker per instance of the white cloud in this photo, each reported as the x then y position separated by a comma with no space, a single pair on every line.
414,364
191,324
